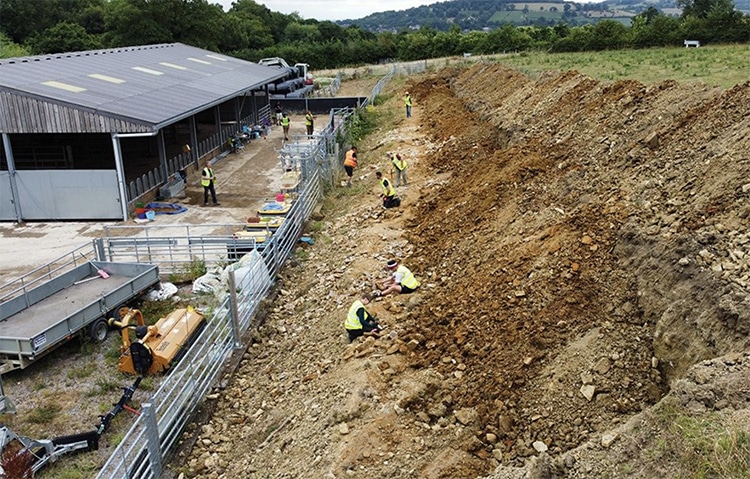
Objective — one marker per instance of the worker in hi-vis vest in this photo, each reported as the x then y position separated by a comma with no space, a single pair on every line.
207,180
350,162
359,321
285,121
399,166
309,122
407,102
401,280
388,192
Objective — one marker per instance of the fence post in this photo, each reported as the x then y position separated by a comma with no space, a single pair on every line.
6,406
99,247
234,310
152,438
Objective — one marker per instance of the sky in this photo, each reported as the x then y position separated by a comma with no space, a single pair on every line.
333,9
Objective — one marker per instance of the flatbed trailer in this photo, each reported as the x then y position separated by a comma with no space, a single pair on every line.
76,302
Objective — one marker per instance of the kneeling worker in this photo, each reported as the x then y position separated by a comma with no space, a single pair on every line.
389,192
402,280
358,320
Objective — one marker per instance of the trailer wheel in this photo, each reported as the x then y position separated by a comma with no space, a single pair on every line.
98,331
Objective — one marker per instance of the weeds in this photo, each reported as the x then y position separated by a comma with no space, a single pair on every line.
709,445
82,371
302,255
105,385
147,384
315,226
196,268
81,466
154,310
44,414
117,439
362,124
189,271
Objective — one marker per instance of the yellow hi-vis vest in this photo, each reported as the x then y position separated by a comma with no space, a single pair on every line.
407,279
400,164
308,120
407,100
285,121
207,172
352,321
388,189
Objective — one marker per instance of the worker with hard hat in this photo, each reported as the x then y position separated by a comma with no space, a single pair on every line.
400,281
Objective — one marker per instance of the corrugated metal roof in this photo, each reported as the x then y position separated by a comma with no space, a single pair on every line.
154,84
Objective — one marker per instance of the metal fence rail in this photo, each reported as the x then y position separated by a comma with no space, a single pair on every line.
145,448
215,143
51,270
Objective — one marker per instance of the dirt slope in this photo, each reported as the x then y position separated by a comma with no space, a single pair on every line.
581,245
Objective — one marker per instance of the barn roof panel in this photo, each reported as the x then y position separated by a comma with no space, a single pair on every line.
154,84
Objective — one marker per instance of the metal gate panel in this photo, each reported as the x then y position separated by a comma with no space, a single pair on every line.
7,209
68,195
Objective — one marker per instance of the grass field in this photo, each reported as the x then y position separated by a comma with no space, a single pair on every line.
721,65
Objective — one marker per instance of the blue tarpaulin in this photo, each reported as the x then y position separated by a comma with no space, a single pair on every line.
166,208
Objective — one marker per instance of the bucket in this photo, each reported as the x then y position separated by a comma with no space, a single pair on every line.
280,197
141,216
150,215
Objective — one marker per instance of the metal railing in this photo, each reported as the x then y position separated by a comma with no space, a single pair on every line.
145,448
215,143
380,85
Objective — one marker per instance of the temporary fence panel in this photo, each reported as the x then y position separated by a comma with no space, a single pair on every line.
143,451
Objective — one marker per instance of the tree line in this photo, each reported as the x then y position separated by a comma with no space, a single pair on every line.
251,31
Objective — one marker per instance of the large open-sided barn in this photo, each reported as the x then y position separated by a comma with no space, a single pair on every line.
86,134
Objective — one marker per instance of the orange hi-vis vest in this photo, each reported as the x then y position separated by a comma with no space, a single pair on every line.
350,160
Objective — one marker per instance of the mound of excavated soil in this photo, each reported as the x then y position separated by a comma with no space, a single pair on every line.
580,245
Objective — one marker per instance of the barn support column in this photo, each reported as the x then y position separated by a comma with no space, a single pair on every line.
120,168
12,176
237,112
217,118
162,155
256,110
268,102
194,141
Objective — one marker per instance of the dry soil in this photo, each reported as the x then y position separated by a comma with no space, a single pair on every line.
581,245
582,249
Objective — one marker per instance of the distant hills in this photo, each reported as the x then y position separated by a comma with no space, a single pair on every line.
490,14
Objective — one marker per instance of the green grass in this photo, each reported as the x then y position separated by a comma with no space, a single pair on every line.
105,386
79,466
315,226
44,414
713,444
721,65
83,371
